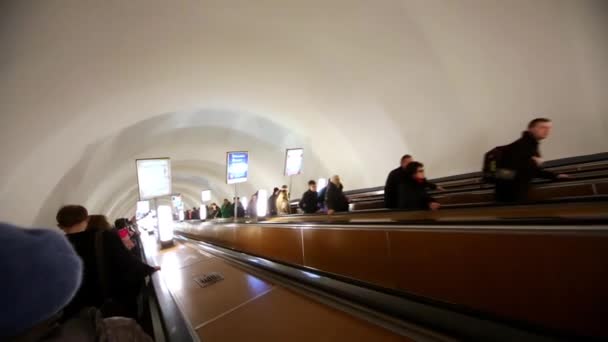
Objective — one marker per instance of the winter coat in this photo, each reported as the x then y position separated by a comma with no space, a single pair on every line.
517,157
335,198
308,202
395,179
413,194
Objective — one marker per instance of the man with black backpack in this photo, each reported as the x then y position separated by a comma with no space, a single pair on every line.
512,167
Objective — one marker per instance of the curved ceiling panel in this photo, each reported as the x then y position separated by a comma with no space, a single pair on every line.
89,87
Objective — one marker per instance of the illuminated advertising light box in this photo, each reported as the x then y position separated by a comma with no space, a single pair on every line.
143,207
321,183
237,167
153,178
165,223
206,195
262,204
293,161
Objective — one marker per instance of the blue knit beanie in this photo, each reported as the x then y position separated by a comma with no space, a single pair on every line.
41,273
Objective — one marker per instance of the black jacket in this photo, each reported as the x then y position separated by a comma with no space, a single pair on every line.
125,273
272,205
308,202
335,198
413,195
394,181
517,157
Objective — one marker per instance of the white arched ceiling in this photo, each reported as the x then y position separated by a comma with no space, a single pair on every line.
88,87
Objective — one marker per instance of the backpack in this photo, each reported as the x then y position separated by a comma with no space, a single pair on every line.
490,164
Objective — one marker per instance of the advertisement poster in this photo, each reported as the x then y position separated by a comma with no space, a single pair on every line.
293,161
153,178
237,167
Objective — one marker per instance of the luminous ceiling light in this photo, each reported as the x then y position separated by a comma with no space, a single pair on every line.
262,203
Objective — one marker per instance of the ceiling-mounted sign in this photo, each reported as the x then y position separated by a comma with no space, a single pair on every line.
206,195
153,177
293,161
237,167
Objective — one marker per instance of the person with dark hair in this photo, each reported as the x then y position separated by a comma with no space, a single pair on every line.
121,223
335,200
309,203
272,202
395,178
252,206
33,297
111,273
99,222
214,211
520,162
227,209
240,209
413,190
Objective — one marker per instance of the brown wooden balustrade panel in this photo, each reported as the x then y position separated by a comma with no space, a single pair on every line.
282,244
248,239
281,315
462,198
556,279
602,188
564,190
358,254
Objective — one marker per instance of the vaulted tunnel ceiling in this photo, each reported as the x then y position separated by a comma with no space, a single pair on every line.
86,88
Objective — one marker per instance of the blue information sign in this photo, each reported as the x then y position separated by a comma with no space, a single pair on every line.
237,167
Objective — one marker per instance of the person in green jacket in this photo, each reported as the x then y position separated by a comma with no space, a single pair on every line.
227,209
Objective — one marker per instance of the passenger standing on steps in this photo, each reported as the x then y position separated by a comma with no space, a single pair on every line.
308,202
227,209
395,179
252,207
520,162
112,277
335,200
272,202
282,202
413,193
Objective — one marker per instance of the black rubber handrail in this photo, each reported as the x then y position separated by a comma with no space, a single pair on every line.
549,164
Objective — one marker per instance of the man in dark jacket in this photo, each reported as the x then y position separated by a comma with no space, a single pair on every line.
335,200
520,162
308,202
413,193
122,275
395,180
272,202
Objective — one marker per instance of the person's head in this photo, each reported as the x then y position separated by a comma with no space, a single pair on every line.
121,223
275,191
405,160
284,187
335,179
98,222
415,170
540,128
41,273
312,185
72,218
